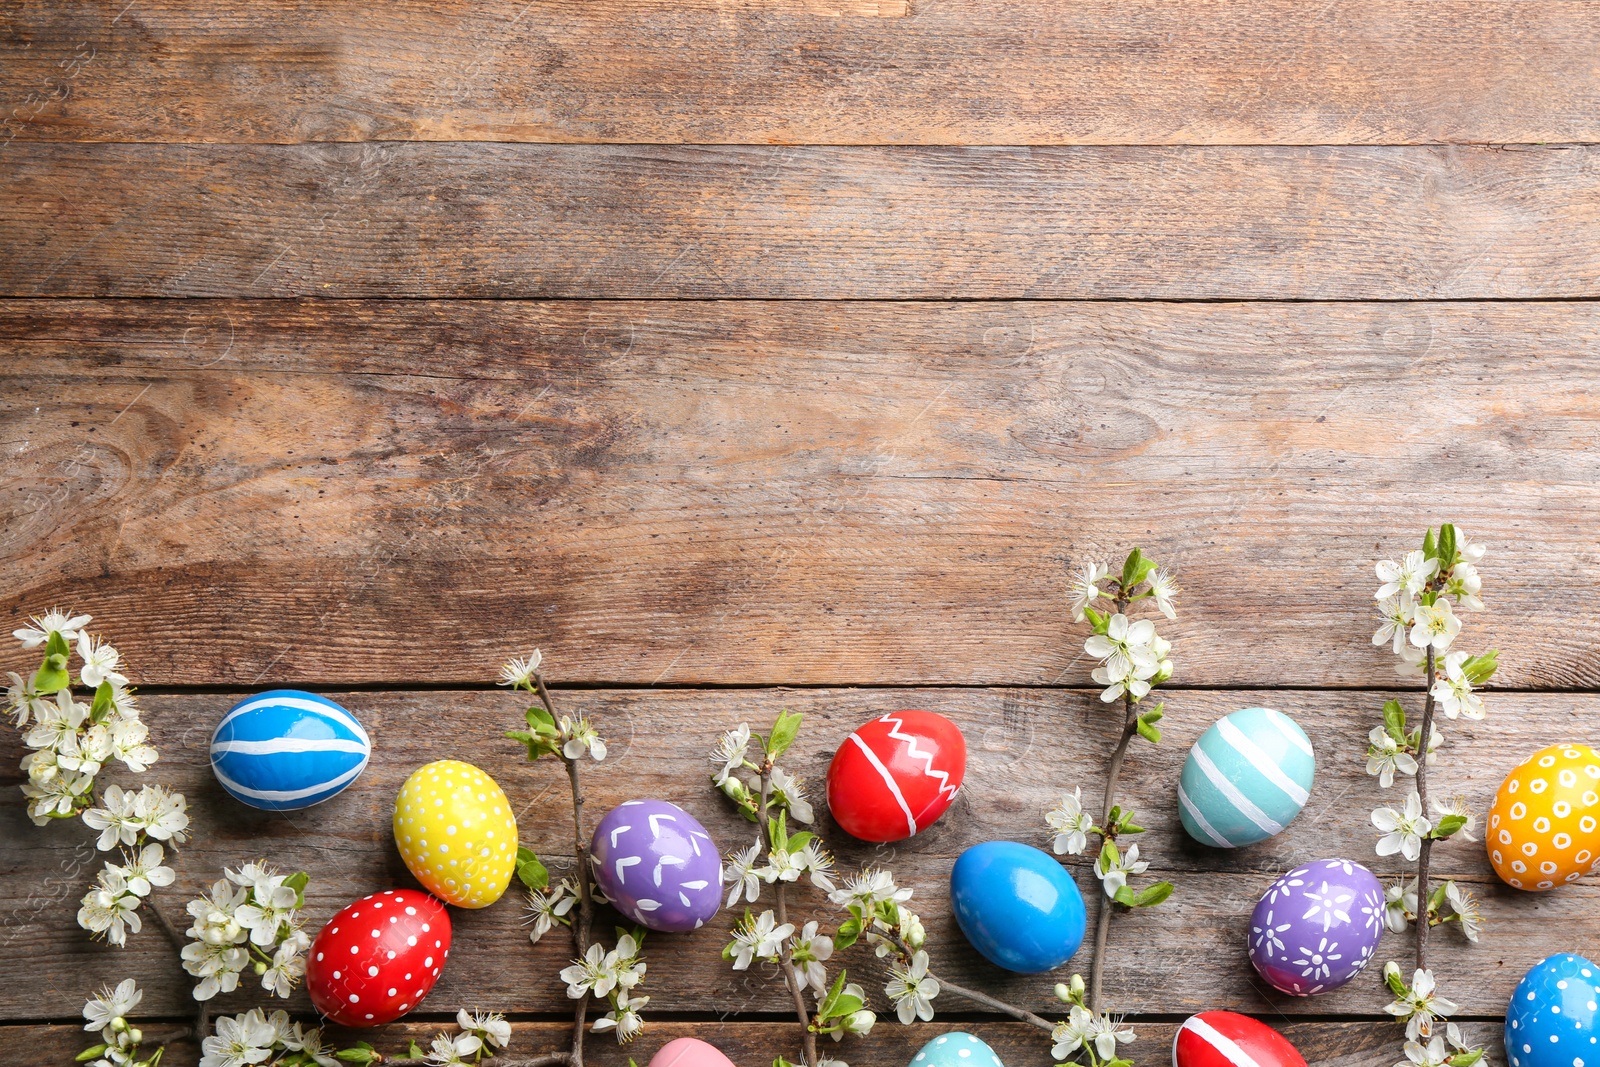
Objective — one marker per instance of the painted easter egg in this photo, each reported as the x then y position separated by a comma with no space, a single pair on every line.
1017,906
689,1052
1317,927
455,830
379,957
958,1049
286,750
1543,828
1245,779
1228,1039
657,865
1553,1019
896,775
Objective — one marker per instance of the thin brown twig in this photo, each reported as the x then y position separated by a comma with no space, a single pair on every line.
790,978
1102,922
945,985
1424,916
583,927
202,1011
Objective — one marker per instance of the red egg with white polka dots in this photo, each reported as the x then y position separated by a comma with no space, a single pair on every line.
379,957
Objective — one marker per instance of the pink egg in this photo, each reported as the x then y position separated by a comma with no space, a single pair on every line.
689,1052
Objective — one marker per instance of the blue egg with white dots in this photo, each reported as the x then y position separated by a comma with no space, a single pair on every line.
286,750
956,1050
1553,1019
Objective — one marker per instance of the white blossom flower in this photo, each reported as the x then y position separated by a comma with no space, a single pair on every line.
790,792
56,798
1410,665
742,873
912,989
1433,1054
1086,588
1403,830
490,1025
109,1005
1385,757
288,965
730,752
808,954
1421,1005
1107,1036
781,867
624,1018
64,623
1072,825
216,965
128,744
164,814
589,974
20,700
240,1041
272,904
1434,625
818,862
100,662
1465,584
1456,805
520,671
1396,615
1115,876
1399,904
145,870
761,937
578,737
1164,590
1407,578
868,889
1454,691
1128,661
1072,1033
548,908
1465,905
452,1050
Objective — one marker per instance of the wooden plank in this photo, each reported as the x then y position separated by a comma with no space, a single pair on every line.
1327,1044
784,71
503,220
683,493
1026,748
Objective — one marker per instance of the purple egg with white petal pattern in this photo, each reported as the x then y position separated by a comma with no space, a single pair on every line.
657,865
1317,927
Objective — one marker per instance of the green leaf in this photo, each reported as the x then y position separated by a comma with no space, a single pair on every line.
52,676
1135,569
1125,897
1097,619
1150,733
102,702
541,721
800,840
784,732
530,871
298,882
1436,898
778,831
90,1053
1151,895
1447,546
1430,547
1480,669
415,1051
849,933
1155,714
1394,720
1466,1059
1109,856
1448,825
1393,979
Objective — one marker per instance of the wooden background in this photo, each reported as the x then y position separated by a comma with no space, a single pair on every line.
747,354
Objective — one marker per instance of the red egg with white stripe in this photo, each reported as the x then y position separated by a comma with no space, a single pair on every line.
379,957
895,776
1228,1039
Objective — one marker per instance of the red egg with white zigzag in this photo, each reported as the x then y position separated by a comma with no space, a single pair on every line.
896,775
1228,1039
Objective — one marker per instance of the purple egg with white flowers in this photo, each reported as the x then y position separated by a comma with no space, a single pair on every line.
1317,927
657,865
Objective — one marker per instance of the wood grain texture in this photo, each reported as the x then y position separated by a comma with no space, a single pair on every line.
750,1044
250,493
759,71
1026,748
499,220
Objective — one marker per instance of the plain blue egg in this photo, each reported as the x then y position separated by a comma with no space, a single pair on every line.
1553,1019
286,750
956,1050
1017,906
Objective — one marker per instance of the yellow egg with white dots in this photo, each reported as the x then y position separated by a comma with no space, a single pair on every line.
1544,828
454,828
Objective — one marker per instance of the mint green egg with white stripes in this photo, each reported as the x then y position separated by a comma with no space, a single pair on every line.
1246,778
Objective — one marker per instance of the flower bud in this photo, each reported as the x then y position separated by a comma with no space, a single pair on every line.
860,1022
135,1035
119,1024
1062,993
260,968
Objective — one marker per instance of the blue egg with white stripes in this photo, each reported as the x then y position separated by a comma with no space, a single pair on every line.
286,750
1246,778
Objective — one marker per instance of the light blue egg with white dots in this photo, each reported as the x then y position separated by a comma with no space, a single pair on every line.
286,750
1553,1019
1246,778
956,1050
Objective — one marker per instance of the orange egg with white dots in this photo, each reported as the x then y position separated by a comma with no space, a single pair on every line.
1544,828
454,828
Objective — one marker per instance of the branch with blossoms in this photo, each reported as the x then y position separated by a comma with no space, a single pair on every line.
1134,659
612,974
779,858
1417,601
